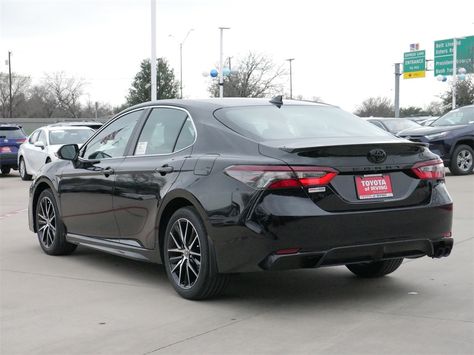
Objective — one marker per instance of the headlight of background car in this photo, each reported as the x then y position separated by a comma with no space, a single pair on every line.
436,135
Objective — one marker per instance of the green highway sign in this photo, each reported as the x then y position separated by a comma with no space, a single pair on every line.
414,64
443,55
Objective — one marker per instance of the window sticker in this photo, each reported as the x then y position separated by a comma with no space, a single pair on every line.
141,148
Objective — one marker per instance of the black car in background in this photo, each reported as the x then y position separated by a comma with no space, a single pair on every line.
11,137
394,125
215,187
451,137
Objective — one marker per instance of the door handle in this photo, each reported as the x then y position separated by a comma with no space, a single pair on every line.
165,169
108,171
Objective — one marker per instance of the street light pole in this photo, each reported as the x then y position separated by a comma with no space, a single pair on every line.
221,59
291,78
153,51
10,82
397,89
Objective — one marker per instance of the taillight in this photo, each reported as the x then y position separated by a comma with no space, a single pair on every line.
432,169
281,176
5,150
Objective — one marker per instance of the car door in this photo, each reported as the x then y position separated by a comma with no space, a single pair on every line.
146,175
36,156
86,189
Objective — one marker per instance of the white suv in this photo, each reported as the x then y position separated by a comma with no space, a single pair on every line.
42,145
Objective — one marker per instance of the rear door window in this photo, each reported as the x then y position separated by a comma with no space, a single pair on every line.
160,132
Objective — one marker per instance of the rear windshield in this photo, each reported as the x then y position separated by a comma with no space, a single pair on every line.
270,122
69,136
11,133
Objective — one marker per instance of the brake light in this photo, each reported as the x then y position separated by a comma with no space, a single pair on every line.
281,176
5,150
432,169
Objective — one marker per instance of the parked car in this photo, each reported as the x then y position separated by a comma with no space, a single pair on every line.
11,137
91,124
393,125
42,145
451,137
215,187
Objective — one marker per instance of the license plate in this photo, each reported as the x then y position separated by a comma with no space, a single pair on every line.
373,186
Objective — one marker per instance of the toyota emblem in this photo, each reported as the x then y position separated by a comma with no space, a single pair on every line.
377,156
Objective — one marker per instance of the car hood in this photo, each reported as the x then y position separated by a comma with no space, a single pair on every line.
423,131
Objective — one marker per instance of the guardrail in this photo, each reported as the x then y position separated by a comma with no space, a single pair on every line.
30,124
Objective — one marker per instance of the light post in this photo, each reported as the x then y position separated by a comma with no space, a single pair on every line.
181,61
153,51
291,77
10,82
221,59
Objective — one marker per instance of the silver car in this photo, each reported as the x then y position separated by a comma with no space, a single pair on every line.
42,145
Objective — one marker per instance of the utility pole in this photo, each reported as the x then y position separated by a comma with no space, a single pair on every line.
397,89
221,59
10,82
153,51
291,78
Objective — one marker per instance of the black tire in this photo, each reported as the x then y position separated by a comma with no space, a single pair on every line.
376,268
6,170
50,229
462,160
193,277
22,169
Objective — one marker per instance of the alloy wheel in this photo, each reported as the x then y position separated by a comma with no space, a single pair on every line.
464,160
22,168
46,222
184,253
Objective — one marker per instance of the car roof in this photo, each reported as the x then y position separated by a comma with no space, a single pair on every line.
56,127
9,125
216,103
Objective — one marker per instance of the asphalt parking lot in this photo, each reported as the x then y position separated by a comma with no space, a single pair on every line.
94,303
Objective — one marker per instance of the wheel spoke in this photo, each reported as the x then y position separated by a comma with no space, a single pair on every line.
181,251
192,243
192,269
180,271
174,240
194,253
181,232
177,265
187,272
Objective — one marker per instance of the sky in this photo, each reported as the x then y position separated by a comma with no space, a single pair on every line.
344,50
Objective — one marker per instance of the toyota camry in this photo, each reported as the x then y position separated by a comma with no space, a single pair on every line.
221,186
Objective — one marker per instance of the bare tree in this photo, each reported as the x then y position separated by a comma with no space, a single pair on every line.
67,92
20,85
376,107
256,76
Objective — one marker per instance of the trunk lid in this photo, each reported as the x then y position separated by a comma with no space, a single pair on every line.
355,159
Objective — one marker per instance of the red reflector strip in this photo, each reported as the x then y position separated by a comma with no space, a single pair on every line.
287,251
5,150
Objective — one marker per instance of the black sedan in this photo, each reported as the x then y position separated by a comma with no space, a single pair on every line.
451,137
215,187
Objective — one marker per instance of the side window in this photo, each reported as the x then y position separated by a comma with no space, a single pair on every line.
42,137
187,136
34,137
112,141
160,131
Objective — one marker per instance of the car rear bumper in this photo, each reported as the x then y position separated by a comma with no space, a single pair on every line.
8,160
326,238
359,253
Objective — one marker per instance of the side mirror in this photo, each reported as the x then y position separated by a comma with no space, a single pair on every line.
68,152
39,144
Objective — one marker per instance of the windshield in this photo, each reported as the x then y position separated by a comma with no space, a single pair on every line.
400,124
459,116
270,122
69,136
11,133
